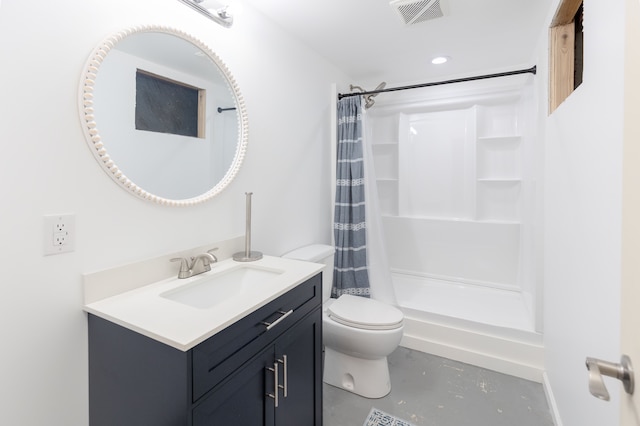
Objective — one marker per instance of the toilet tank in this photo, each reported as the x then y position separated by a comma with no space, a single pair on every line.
317,253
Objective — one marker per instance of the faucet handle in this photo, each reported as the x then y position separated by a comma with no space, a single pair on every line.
184,267
211,253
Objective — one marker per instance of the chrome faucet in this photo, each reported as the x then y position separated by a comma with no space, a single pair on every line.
196,265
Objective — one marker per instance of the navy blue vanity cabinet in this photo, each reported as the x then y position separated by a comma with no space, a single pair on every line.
229,379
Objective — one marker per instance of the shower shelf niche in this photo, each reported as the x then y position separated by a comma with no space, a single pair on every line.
498,119
498,200
385,157
498,157
498,178
499,163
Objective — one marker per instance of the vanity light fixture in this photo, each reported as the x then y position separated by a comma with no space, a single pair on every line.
212,10
439,60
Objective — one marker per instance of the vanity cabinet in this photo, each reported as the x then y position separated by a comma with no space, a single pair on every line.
232,378
241,400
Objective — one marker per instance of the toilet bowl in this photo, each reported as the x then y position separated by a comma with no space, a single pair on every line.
358,333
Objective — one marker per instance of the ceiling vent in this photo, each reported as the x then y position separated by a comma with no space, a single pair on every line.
412,11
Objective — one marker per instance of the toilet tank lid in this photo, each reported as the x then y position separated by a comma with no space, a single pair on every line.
311,253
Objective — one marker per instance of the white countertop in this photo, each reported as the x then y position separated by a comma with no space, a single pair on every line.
145,311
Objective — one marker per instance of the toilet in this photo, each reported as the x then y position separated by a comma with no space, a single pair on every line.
358,333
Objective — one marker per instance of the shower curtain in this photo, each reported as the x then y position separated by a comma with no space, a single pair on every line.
350,274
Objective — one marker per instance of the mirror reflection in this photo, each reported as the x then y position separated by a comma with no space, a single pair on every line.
167,116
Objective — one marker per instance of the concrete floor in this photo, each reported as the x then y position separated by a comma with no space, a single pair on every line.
433,391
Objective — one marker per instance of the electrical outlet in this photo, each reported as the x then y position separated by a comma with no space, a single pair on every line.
60,238
59,234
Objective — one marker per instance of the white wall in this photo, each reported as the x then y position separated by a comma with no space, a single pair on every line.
582,218
47,168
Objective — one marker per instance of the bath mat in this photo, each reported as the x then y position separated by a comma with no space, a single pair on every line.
380,418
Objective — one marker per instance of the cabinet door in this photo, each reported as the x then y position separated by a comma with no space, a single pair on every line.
302,347
242,400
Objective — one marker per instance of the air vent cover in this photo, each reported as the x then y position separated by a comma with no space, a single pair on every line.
412,11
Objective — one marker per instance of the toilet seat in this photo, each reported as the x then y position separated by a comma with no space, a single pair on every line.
368,314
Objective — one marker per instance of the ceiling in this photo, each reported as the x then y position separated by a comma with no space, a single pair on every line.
368,40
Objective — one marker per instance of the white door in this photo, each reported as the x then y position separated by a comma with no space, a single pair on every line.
630,288
630,259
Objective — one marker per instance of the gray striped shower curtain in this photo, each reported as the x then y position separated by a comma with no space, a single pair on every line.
350,275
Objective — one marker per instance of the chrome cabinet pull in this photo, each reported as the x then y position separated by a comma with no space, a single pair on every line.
274,395
622,371
283,361
270,325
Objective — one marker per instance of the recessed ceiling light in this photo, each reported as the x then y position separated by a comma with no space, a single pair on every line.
438,60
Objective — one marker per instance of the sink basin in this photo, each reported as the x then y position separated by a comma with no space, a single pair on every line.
213,289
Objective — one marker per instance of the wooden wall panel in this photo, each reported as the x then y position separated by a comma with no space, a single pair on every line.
561,64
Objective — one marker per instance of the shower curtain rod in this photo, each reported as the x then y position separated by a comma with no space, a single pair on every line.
531,70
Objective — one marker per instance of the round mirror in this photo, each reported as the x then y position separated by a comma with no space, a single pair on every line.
163,115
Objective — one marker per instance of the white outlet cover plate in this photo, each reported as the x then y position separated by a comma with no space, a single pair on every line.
51,231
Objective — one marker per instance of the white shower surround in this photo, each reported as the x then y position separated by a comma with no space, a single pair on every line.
463,298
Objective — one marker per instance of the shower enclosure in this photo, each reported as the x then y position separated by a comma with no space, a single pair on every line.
456,173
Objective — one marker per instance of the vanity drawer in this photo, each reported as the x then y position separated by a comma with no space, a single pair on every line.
217,357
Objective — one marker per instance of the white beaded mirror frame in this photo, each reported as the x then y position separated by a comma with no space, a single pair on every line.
98,146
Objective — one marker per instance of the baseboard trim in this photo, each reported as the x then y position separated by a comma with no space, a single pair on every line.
551,400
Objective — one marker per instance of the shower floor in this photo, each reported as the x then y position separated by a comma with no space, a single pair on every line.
495,307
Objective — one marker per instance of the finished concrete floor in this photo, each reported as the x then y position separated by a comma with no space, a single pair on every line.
427,390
